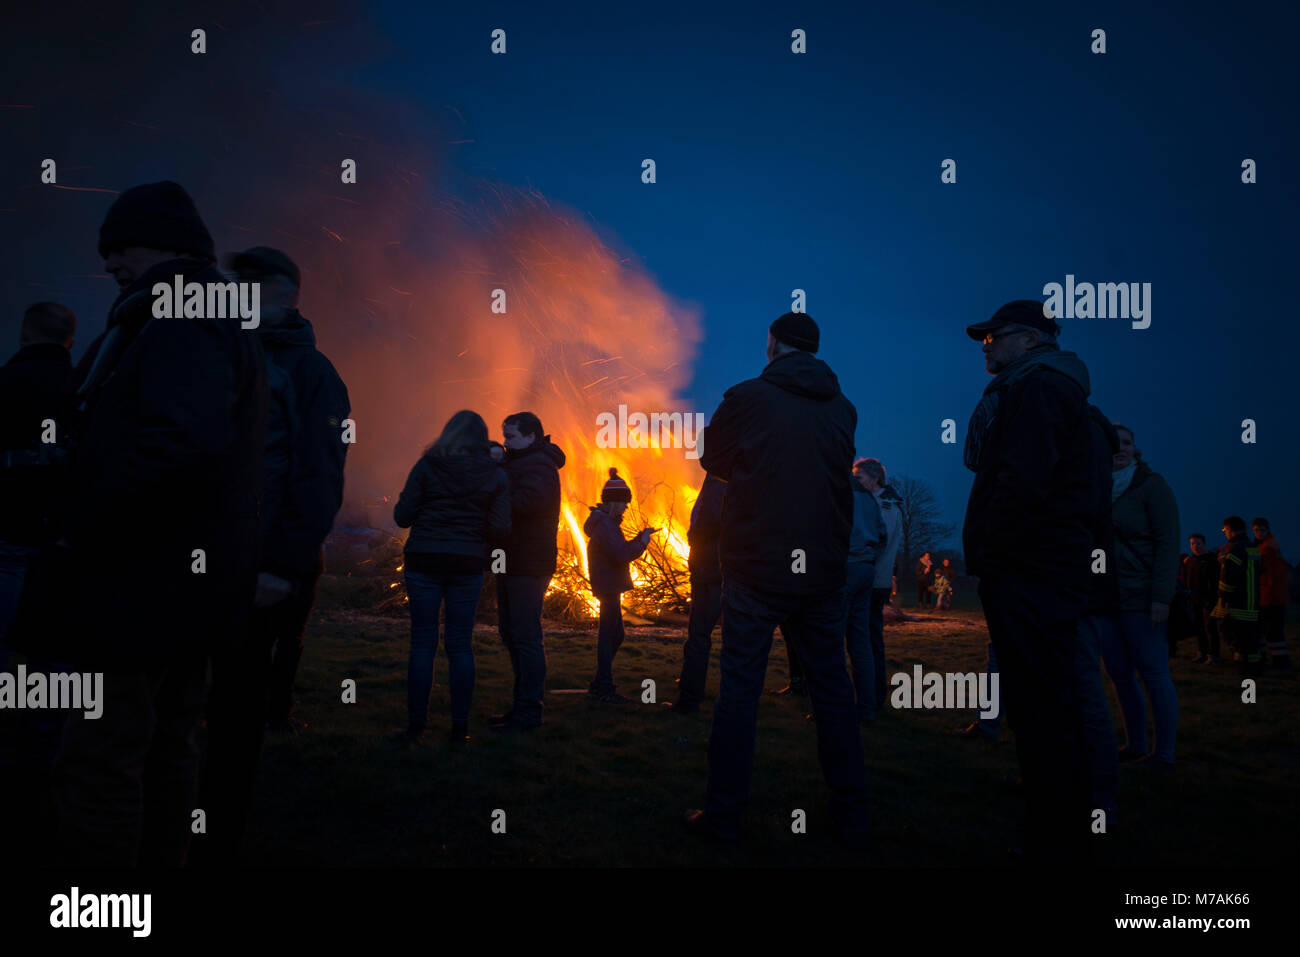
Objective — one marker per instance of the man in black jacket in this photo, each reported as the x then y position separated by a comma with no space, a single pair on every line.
783,443
302,489
705,565
162,533
1027,536
532,465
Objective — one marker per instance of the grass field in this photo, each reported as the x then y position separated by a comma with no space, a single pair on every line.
607,785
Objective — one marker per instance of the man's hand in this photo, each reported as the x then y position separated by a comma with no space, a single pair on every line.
497,452
271,589
1159,613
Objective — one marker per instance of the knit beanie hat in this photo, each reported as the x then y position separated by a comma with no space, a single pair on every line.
157,215
615,489
796,329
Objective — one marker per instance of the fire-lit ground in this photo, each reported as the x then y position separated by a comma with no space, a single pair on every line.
605,787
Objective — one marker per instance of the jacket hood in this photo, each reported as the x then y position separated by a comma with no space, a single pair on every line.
460,475
543,447
802,373
294,331
1066,363
598,515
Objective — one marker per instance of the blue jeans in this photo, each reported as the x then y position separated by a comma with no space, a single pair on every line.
879,599
706,609
1134,649
857,634
427,594
519,621
1098,729
749,619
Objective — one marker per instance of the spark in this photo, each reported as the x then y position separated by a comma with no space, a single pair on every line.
334,234
86,189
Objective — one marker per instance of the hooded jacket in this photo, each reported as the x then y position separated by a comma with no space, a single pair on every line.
887,554
305,448
868,534
1032,501
164,480
454,505
609,554
783,443
533,474
1146,526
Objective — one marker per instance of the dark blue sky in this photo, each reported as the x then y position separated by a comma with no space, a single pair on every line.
778,171
821,172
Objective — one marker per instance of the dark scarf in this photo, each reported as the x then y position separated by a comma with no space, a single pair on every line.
981,420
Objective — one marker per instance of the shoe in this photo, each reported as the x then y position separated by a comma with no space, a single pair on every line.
1126,756
1210,660
408,738
975,731
696,823
594,695
459,734
502,718
613,697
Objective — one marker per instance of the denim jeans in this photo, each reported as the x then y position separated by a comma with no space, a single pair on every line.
519,622
609,638
1136,648
857,635
706,609
879,599
749,618
1034,626
1098,728
427,594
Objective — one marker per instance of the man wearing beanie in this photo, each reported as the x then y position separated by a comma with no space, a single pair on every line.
783,443
161,533
1028,537
608,556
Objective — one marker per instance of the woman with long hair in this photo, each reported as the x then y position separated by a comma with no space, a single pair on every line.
456,502
1145,518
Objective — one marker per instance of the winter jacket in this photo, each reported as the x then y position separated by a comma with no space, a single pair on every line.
163,485
609,554
1238,580
310,491
888,554
454,505
867,536
783,442
1031,502
1103,584
534,478
35,385
705,532
1272,572
1145,519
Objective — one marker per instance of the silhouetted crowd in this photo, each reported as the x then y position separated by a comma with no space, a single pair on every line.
165,504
